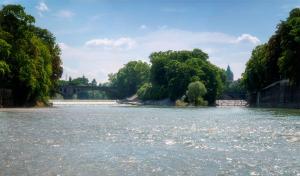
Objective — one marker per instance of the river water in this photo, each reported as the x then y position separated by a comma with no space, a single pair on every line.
122,140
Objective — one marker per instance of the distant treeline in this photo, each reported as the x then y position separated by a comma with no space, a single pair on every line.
80,81
186,76
30,63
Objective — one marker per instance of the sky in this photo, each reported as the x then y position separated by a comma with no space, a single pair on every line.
98,37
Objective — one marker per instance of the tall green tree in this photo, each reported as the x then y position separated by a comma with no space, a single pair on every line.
33,61
278,59
289,62
254,75
130,78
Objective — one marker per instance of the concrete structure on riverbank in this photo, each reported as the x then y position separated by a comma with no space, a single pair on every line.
6,99
280,94
83,102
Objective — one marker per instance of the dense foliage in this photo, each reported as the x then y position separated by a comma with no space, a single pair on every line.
278,59
130,78
196,91
30,62
254,75
172,71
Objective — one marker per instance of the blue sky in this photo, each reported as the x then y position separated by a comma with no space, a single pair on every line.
98,37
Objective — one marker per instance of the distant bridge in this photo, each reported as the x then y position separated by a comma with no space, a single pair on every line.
68,91
233,96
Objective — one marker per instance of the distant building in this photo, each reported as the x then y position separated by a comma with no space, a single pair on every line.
229,74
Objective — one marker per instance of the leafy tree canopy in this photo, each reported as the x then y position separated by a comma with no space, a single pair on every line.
172,71
277,59
130,78
29,57
196,91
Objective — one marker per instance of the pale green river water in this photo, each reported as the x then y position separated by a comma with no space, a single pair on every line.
115,140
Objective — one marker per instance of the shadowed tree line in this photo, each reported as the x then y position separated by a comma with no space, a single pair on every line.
277,59
30,63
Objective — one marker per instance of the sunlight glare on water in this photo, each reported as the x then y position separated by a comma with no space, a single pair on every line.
112,140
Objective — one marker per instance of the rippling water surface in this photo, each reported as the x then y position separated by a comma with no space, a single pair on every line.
113,140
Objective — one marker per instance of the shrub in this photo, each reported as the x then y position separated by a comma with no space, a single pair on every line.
196,91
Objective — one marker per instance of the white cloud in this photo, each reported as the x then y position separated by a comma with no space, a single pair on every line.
248,38
91,62
98,57
120,43
42,7
65,14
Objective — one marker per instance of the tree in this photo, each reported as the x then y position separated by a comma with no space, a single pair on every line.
278,59
229,74
172,71
273,53
196,91
289,62
254,75
130,78
144,92
32,64
80,81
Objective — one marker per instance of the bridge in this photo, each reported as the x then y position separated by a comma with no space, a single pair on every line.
230,95
67,91
231,98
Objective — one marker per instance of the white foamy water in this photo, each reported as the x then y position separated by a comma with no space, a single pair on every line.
83,102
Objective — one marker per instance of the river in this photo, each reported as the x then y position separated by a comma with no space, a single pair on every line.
128,140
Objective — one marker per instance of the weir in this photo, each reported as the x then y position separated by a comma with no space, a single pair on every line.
67,91
231,103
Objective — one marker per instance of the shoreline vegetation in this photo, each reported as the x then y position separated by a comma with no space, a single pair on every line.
185,76
272,76
31,68
30,64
